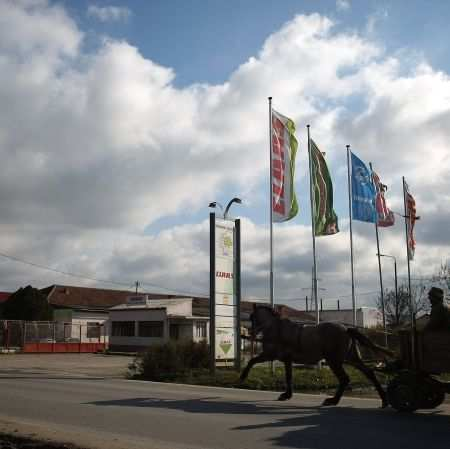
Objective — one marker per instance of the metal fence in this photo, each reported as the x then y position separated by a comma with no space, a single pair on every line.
51,336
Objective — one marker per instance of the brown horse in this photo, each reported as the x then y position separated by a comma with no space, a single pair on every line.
290,343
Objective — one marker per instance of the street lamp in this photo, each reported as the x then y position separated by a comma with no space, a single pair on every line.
216,203
395,275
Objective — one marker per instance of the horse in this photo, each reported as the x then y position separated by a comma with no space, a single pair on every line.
290,343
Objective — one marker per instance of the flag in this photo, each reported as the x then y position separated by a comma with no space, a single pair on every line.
363,192
411,218
325,219
385,217
284,149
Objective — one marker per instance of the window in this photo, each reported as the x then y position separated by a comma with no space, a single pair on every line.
151,329
174,331
122,329
200,329
93,330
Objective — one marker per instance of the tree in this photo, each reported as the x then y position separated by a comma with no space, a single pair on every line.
27,304
396,306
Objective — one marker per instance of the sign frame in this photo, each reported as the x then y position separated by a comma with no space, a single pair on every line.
225,292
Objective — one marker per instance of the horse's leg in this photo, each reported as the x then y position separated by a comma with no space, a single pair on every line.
344,380
258,359
288,372
357,362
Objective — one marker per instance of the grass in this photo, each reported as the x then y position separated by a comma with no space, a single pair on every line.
261,378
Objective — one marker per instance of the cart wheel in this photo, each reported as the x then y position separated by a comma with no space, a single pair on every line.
402,395
431,394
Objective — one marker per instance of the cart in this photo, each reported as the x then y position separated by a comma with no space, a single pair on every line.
415,383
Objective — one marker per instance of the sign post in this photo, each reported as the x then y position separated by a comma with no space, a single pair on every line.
224,292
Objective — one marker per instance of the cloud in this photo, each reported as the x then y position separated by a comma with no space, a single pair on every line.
381,14
342,5
109,13
97,147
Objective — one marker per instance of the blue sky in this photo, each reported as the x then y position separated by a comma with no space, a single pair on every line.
122,120
205,41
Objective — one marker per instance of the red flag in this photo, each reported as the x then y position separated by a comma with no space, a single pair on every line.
411,218
385,217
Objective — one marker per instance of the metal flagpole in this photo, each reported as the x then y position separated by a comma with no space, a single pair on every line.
351,231
383,314
411,309
313,227
270,204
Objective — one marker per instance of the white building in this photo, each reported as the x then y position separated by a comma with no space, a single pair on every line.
365,316
142,322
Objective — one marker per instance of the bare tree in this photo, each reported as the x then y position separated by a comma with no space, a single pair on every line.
396,304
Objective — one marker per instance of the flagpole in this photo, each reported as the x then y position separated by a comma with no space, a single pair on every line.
379,260
351,232
407,254
313,227
270,204
411,310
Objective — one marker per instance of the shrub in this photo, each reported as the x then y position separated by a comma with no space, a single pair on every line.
170,360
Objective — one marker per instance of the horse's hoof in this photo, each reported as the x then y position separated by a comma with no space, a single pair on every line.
284,396
329,401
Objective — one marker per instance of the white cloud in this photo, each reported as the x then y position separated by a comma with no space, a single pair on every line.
95,147
342,5
109,13
375,18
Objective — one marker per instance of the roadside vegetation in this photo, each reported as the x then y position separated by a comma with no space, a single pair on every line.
189,363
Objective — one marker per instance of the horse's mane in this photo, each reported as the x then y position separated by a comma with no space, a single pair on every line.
274,312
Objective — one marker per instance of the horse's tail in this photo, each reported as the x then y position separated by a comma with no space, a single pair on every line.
361,338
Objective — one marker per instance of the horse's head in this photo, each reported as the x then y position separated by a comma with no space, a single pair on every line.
262,318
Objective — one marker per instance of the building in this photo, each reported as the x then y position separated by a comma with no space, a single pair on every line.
79,312
142,322
86,306
365,316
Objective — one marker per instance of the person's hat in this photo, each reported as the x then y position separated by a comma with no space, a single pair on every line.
436,292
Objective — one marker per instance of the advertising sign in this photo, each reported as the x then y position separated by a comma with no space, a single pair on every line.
225,343
225,298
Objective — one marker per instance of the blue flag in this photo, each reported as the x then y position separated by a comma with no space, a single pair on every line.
363,192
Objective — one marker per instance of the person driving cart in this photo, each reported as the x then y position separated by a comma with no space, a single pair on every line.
440,314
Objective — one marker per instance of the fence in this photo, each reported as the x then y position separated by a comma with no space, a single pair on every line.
51,336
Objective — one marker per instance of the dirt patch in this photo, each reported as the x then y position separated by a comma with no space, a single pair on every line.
15,442
64,365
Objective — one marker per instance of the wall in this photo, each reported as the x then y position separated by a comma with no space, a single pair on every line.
135,343
365,316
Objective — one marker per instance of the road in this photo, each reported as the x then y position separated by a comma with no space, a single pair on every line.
105,412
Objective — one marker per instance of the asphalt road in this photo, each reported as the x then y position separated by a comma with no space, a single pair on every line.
104,412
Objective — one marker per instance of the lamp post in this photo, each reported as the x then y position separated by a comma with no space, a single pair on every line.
395,276
214,204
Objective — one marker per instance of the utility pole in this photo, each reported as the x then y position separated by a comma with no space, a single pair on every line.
137,284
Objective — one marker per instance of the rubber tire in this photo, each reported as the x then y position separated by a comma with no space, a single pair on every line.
432,395
403,395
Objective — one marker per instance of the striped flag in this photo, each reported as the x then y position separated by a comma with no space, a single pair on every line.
325,218
411,218
284,149
385,217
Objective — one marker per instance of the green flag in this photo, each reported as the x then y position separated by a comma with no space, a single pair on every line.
325,219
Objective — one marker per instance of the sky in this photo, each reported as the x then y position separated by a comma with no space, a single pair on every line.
121,121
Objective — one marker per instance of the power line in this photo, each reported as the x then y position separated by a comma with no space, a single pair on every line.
66,273
90,278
